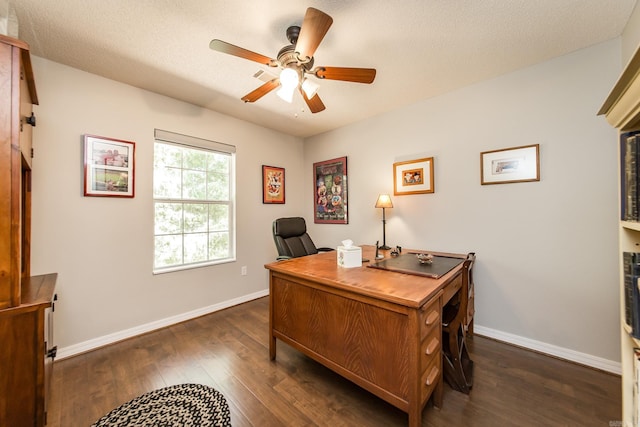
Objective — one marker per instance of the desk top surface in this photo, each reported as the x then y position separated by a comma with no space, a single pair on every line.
396,287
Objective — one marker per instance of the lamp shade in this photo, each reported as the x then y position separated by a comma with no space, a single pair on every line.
384,201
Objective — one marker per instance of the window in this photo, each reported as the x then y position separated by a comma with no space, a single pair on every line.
193,195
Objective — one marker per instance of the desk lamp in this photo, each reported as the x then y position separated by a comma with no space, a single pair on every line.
384,201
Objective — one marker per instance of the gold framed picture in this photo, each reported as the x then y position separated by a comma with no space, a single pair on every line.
508,165
413,177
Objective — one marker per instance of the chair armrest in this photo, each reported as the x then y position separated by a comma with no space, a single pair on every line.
283,257
325,249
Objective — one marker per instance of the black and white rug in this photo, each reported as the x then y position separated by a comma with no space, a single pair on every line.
174,406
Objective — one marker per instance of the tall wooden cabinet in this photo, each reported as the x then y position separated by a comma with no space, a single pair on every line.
622,111
26,302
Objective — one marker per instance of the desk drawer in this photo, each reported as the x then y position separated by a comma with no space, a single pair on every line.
451,289
430,377
429,316
430,348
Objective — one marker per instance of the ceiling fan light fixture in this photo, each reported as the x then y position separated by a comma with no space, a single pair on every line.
286,93
289,78
310,88
295,61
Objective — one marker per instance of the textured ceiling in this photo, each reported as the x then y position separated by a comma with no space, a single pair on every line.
420,48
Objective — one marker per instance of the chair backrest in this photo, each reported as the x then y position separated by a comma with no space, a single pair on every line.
456,310
467,276
291,238
470,295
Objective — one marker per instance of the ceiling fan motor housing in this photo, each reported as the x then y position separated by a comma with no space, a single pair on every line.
287,57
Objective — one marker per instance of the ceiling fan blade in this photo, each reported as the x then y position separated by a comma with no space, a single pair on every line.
230,49
261,91
315,103
313,29
356,75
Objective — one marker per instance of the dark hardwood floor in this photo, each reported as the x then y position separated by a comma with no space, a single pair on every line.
228,350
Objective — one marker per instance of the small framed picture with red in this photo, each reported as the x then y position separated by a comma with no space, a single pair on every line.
108,167
272,185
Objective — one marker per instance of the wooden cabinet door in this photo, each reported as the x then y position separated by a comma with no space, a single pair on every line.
17,96
19,385
26,108
9,196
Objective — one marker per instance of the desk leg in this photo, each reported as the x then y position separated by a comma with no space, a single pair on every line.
415,409
272,347
415,416
438,392
272,338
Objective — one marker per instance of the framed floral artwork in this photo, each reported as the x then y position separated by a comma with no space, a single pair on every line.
272,185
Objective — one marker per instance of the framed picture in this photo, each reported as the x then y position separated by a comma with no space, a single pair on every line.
330,191
272,184
108,167
413,177
517,164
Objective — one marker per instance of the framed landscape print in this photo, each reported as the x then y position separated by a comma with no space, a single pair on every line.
507,165
108,167
330,191
413,177
272,184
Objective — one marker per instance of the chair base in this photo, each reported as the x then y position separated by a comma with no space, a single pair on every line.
458,366
459,374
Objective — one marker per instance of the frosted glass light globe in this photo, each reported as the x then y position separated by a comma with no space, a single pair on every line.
289,78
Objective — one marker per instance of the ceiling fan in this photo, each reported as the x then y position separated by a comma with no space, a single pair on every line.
296,62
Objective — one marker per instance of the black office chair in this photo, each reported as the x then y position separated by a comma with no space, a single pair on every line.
292,240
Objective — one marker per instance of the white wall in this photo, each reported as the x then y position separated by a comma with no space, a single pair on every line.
547,271
547,254
102,248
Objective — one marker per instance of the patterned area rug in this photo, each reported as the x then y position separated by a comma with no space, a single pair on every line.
178,406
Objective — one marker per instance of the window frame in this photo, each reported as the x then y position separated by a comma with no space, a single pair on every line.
190,142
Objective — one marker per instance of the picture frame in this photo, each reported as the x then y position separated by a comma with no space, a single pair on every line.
273,185
413,177
509,165
109,167
330,191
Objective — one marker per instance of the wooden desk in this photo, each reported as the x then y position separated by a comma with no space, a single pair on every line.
379,329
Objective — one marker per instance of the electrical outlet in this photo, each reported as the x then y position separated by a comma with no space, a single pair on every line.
243,270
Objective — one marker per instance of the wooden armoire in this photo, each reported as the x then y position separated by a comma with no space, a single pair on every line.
26,302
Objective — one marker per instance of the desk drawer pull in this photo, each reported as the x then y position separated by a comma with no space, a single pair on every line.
433,376
432,318
433,346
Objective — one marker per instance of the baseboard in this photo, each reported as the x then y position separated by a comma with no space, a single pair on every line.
95,343
542,347
552,350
